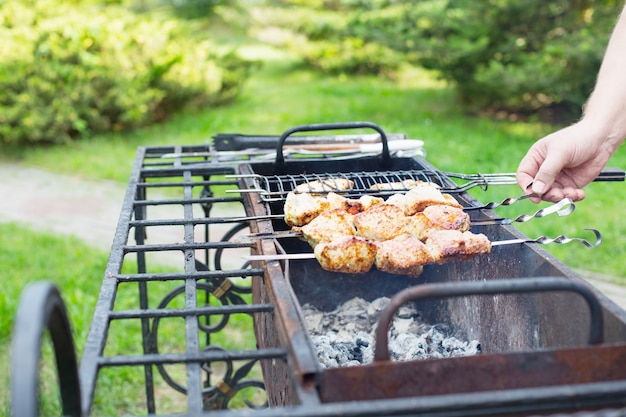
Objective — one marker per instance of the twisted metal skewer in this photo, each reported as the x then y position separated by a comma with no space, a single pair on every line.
561,240
564,239
563,208
506,202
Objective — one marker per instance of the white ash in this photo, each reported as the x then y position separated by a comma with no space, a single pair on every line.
345,336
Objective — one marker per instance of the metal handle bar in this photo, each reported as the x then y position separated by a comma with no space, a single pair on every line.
41,308
280,158
563,208
496,286
509,178
561,240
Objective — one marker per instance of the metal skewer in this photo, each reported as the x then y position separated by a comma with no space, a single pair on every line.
561,240
563,208
542,240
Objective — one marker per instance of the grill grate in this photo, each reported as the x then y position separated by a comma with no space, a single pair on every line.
177,275
275,187
191,280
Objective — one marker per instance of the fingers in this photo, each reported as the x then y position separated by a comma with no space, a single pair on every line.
543,182
556,194
546,175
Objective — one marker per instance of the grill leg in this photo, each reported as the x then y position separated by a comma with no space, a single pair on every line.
41,308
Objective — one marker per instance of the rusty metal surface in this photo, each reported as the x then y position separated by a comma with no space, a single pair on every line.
532,340
472,374
287,325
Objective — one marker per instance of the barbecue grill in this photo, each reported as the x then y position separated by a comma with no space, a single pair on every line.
551,343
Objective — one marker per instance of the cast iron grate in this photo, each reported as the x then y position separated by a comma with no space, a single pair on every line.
174,262
194,289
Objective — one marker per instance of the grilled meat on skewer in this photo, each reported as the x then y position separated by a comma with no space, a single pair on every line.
327,227
380,222
300,209
350,205
449,245
349,254
438,217
400,185
321,187
399,235
404,255
424,195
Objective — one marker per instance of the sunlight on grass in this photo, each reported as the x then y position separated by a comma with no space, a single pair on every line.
280,94
419,78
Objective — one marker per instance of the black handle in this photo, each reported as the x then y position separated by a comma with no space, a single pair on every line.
280,158
41,308
611,174
495,286
239,142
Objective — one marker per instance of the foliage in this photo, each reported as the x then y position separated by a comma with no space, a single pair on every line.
517,55
326,40
416,105
511,55
78,70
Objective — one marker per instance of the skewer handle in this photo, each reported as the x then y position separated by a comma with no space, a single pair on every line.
279,257
544,240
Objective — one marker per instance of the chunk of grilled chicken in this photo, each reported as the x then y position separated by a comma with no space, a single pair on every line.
437,217
449,245
300,209
349,254
404,255
352,206
321,187
423,195
380,222
399,185
327,226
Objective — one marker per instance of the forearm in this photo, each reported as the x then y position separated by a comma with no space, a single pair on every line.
605,110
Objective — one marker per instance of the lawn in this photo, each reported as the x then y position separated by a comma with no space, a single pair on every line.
279,95
282,94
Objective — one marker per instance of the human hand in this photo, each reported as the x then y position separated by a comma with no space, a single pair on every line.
562,163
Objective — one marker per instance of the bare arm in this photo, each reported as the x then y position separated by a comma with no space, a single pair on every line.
562,163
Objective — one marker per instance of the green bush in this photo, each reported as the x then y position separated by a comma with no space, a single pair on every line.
518,55
512,55
80,70
326,40
350,56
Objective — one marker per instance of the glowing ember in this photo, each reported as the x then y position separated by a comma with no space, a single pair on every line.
345,336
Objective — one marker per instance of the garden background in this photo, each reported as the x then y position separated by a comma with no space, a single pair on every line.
84,83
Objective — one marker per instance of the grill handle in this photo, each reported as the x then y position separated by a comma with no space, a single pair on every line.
280,158
497,286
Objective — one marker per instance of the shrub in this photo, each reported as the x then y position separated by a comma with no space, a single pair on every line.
327,40
76,71
518,55
350,56
511,55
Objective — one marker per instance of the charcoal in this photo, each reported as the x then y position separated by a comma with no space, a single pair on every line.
345,336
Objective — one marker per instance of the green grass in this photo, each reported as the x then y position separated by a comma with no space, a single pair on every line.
77,270
282,94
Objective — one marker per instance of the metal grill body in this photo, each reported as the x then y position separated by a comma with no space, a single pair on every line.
291,374
204,286
196,289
